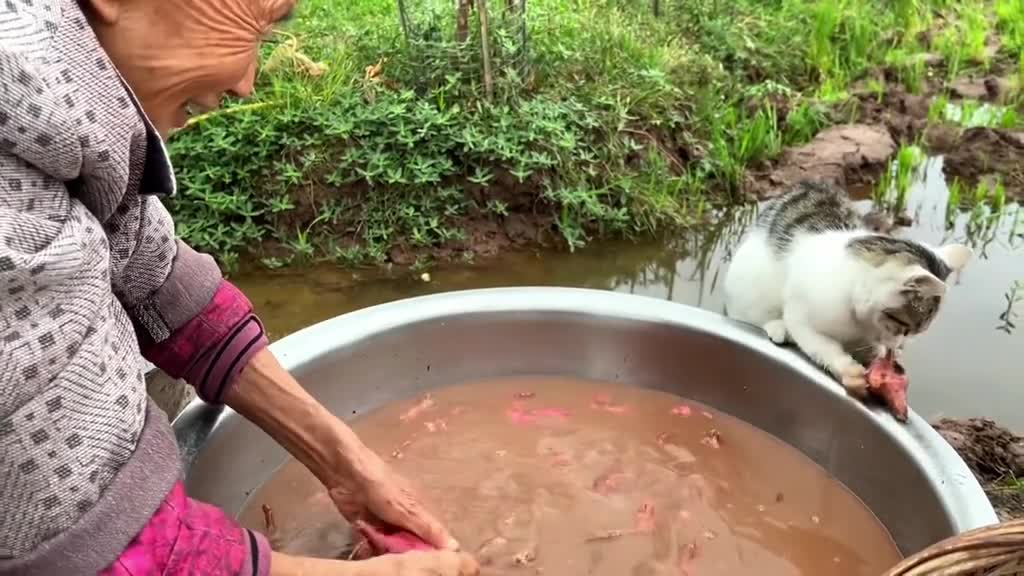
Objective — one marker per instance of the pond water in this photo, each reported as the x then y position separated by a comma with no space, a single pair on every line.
965,365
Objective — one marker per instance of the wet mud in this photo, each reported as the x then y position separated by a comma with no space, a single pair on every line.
874,123
995,455
988,154
846,155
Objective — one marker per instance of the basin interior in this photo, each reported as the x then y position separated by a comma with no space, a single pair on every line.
779,396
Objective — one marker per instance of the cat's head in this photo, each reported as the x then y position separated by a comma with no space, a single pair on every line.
907,284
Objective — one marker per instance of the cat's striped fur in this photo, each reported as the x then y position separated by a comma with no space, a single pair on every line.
811,271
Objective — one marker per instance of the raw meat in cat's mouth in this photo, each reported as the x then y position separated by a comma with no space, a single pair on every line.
888,381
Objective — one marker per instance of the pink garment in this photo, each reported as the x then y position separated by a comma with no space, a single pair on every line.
187,537
211,349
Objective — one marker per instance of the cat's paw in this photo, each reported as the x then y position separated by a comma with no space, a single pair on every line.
854,378
776,330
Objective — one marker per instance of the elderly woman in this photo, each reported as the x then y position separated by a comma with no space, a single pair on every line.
92,280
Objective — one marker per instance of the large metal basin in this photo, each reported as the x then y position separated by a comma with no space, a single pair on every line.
913,481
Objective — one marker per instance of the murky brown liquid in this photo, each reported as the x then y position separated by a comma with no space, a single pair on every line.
575,478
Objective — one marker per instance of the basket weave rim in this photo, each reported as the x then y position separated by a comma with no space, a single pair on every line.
993,546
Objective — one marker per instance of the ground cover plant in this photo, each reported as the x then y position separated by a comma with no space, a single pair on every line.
397,131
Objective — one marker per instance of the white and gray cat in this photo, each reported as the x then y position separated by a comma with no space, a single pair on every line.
811,272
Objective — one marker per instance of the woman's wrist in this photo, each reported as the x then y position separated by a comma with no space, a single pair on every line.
267,395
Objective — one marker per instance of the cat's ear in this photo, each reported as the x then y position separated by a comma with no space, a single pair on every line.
925,283
955,255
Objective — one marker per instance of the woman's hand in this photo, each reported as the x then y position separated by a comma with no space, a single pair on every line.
365,489
377,500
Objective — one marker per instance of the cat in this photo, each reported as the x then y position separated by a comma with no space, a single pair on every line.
812,273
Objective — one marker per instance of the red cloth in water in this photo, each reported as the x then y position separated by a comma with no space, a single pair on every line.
391,542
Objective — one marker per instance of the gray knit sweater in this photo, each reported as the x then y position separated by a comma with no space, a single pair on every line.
87,257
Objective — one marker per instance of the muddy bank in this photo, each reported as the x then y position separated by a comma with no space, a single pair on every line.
995,455
871,126
978,154
846,155
971,154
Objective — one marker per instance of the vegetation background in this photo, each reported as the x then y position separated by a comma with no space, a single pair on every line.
379,134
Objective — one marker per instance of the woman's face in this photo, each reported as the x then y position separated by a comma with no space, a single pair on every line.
183,56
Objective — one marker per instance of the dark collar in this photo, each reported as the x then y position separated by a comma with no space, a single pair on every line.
157,173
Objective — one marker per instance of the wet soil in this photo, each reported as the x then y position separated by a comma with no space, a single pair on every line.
995,455
978,154
874,123
846,155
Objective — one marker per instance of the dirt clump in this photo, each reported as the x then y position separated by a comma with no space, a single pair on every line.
994,89
995,455
524,221
978,154
903,114
845,155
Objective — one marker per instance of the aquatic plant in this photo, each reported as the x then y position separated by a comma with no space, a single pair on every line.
971,113
893,188
1007,323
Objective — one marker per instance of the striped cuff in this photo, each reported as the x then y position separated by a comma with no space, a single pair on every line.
210,350
217,369
258,561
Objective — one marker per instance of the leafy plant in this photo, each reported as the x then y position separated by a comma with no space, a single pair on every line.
371,132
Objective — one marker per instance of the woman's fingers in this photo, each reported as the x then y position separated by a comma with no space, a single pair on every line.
393,501
439,563
383,498
417,519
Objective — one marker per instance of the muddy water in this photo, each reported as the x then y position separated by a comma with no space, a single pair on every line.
570,477
964,366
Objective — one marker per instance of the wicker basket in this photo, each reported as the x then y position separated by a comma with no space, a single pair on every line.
996,550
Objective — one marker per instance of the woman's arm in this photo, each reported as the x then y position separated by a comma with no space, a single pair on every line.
362,486
268,396
195,325
190,322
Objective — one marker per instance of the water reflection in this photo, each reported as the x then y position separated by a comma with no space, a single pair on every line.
965,365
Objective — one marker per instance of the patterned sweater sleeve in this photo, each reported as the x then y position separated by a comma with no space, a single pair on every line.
191,323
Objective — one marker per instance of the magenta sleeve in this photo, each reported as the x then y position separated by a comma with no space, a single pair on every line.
210,350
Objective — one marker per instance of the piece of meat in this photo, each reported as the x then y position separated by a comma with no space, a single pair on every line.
425,403
712,438
643,520
439,425
519,414
604,402
889,382
682,410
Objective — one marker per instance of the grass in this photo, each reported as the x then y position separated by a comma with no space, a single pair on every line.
893,188
371,133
